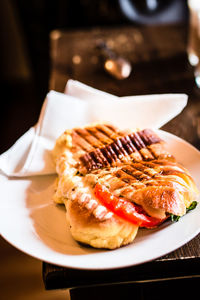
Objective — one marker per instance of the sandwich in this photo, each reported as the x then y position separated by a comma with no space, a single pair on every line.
113,182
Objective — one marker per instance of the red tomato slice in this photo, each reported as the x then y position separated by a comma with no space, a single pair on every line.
125,209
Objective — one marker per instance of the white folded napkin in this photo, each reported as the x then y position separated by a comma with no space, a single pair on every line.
129,112
80,105
31,154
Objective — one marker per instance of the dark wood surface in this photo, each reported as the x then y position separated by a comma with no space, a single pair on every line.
159,60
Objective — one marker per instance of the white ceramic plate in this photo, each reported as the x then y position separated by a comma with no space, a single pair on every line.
31,222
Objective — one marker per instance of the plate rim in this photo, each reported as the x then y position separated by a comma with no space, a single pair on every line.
119,265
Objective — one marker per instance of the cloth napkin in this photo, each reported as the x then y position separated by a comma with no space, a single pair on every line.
77,106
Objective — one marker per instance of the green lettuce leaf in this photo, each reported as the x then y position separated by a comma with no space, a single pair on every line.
192,206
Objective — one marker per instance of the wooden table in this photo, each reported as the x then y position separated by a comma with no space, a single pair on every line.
160,65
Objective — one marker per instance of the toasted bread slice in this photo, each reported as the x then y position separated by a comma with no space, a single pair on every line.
131,165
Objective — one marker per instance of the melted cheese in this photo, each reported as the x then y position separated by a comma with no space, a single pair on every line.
154,212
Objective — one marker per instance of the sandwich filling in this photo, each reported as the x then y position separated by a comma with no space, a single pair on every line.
121,174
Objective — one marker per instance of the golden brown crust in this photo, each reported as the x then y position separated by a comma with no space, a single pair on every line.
159,197
131,165
86,228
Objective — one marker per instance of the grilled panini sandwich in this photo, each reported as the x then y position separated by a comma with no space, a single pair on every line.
112,182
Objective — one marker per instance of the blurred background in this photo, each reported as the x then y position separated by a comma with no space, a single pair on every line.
25,28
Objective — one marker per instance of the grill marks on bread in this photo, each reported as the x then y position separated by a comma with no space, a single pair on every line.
133,165
158,182
135,175
142,174
103,145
